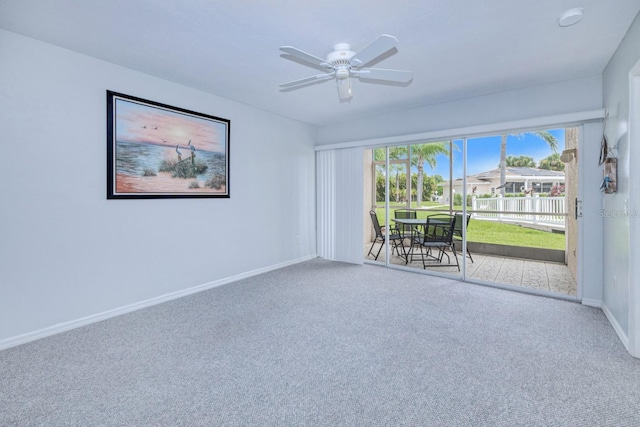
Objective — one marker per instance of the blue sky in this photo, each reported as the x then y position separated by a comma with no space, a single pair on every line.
483,154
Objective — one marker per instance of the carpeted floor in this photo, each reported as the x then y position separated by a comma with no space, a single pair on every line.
329,344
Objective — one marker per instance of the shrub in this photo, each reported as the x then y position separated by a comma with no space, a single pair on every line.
216,181
183,168
167,165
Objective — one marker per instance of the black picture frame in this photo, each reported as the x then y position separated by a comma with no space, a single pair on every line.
157,151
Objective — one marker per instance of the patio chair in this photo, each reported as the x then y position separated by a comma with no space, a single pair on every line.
382,233
406,230
437,235
457,231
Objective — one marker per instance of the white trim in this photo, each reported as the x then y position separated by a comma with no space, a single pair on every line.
463,226
458,133
592,302
579,226
616,326
84,321
634,231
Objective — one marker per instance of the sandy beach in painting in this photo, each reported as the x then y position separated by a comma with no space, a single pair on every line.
161,183
138,170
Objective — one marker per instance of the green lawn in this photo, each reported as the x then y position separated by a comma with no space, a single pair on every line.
501,233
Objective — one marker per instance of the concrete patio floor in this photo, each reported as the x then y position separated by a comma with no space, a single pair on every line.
541,275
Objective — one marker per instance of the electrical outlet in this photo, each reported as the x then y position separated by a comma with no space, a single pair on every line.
614,283
298,240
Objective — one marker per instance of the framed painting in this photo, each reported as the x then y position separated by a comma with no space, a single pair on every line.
156,151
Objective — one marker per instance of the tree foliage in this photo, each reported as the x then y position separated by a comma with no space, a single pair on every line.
520,161
426,153
552,162
398,193
421,154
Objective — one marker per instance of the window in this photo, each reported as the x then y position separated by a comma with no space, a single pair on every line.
513,187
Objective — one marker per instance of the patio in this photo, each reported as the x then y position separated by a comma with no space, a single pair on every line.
541,275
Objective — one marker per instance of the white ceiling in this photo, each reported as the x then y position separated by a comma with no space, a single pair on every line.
230,48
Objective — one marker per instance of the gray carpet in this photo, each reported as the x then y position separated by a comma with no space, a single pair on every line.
329,344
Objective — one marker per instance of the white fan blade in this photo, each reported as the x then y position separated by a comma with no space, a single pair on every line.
316,78
307,57
382,44
400,76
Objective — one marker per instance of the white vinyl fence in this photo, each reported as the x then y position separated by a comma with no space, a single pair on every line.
530,209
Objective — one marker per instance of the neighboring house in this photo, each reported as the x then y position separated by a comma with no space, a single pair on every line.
518,180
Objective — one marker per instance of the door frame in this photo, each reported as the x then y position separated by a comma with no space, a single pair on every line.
634,231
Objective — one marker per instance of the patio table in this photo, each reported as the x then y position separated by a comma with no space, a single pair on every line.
415,222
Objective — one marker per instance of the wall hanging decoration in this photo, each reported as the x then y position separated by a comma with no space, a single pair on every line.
610,175
609,163
604,149
158,151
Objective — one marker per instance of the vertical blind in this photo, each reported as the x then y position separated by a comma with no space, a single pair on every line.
340,204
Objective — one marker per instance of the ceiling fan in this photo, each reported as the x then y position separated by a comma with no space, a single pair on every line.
343,64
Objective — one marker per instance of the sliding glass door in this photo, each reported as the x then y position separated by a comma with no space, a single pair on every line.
503,205
407,191
519,195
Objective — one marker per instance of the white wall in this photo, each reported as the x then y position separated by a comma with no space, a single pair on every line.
621,205
553,99
590,225
67,253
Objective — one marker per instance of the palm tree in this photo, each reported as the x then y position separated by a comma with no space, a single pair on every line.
552,162
394,169
520,162
395,153
421,153
544,135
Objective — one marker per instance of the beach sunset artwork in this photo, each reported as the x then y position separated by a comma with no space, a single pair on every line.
159,151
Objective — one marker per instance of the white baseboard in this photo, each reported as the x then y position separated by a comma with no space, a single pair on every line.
66,326
592,302
616,326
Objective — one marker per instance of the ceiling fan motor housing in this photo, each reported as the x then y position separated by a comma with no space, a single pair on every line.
339,59
341,54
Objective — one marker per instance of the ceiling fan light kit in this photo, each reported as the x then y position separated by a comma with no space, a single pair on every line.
342,64
344,88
